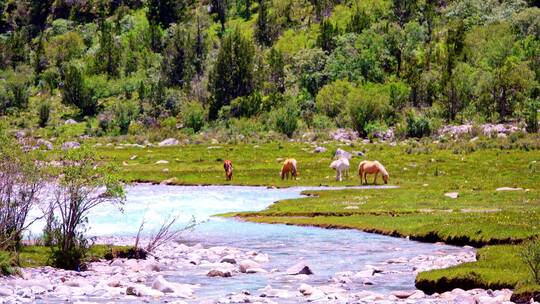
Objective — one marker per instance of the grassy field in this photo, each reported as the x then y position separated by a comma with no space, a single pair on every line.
418,209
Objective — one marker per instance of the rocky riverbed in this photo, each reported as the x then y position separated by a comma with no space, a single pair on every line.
156,279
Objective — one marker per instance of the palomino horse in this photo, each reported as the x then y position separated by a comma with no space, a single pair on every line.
227,165
289,166
372,167
341,166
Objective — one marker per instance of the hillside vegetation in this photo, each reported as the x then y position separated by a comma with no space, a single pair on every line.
159,68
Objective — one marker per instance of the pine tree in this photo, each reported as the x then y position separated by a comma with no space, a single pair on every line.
178,58
232,75
199,49
165,12
359,22
277,70
77,93
39,11
263,29
109,53
219,7
325,40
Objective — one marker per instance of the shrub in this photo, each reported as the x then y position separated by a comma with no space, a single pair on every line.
5,263
322,122
81,186
77,93
531,116
286,119
332,100
417,125
124,113
367,105
247,106
194,116
44,114
531,257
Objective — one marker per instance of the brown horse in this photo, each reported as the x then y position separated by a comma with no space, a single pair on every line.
372,167
289,166
227,165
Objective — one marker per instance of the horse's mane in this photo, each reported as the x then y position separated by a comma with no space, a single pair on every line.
381,168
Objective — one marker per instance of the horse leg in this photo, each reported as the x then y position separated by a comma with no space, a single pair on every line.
365,178
375,180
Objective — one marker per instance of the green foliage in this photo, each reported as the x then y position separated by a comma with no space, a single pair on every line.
125,112
309,67
327,32
178,58
5,263
44,110
531,116
232,75
264,30
194,116
367,104
109,54
76,92
286,118
332,101
247,106
82,185
531,257
417,125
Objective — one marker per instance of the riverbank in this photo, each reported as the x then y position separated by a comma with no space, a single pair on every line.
495,182
123,280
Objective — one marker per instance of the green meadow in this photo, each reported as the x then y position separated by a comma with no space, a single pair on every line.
495,221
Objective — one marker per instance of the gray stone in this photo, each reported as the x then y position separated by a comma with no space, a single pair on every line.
319,150
340,153
452,195
247,264
219,273
169,142
70,122
70,145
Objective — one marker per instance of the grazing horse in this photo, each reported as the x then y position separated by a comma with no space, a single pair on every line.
227,165
289,166
372,167
341,166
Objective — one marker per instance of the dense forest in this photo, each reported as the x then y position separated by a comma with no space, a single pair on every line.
165,67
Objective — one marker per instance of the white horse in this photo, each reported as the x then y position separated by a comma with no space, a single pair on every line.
341,166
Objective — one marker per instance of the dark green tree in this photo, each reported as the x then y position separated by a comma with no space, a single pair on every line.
325,40
454,48
39,11
219,7
359,22
199,49
76,92
178,58
109,54
263,29
404,11
232,75
165,12
277,71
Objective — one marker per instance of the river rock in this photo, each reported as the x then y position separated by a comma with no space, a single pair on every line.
464,299
162,285
219,273
244,265
368,273
70,145
300,268
306,289
228,260
152,266
5,291
256,270
143,291
452,195
402,294
117,262
169,142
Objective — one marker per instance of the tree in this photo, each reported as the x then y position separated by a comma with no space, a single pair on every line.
263,30
454,50
75,92
404,11
367,104
232,75
109,54
199,48
165,12
219,7
309,67
286,118
39,11
21,185
359,22
327,32
178,57
82,184
277,71
125,112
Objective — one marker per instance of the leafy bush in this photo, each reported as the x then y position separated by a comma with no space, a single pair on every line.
418,125
322,122
367,104
247,106
286,119
332,99
44,114
125,112
194,116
